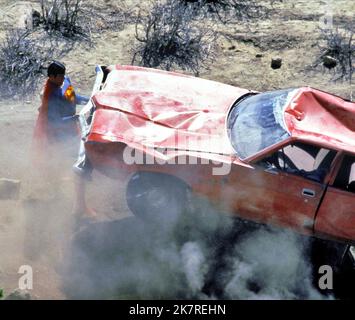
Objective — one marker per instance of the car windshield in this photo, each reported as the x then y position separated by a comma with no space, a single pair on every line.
257,122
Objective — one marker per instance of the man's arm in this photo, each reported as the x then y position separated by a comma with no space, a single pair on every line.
78,98
81,99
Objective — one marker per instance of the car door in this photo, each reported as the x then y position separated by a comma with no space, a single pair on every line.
336,215
286,193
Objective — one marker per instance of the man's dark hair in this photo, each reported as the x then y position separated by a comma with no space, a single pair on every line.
56,68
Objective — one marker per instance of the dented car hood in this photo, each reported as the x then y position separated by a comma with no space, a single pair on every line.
154,108
322,118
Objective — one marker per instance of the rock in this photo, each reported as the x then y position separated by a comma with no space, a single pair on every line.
33,19
9,189
276,63
329,62
18,14
36,18
19,295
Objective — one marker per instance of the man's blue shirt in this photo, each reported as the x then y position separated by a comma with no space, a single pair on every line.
59,107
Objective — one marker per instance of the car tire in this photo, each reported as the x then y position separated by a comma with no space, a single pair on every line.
157,198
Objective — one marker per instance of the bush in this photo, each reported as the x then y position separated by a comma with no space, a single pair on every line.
337,46
22,60
169,37
77,19
65,17
25,54
226,10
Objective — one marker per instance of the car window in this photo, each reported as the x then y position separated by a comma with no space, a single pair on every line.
311,162
345,178
257,122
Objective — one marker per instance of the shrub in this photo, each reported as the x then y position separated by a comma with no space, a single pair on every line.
78,19
22,60
169,37
226,10
66,17
337,46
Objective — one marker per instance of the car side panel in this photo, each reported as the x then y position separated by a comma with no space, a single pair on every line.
336,216
108,158
245,191
272,198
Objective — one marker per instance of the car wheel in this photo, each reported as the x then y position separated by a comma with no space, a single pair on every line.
157,198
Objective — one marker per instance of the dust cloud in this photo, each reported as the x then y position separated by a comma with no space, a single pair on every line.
207,256
35,225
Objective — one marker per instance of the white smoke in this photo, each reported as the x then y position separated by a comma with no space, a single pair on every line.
276,262
200,259
195,266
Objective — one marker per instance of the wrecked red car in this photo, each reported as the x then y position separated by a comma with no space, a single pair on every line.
284,158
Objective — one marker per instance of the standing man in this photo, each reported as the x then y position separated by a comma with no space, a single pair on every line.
57,114
56,135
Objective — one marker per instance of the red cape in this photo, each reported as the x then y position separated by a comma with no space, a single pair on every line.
41,133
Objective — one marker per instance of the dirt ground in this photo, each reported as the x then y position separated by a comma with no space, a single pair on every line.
290,32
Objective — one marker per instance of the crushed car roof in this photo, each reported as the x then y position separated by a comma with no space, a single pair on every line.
163,109
322,118
166,109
